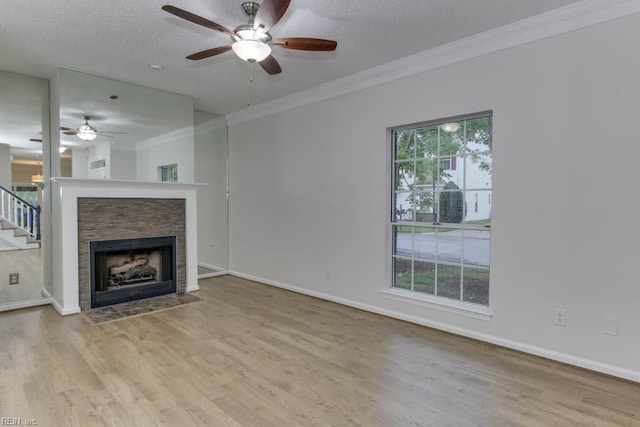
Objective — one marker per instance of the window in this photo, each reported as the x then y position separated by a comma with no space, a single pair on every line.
168,173
448,163
445,164
440,247
27,193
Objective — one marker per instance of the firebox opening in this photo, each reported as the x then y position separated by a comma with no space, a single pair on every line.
130,269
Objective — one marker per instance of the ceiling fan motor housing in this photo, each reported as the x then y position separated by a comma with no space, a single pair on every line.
250,8
247,32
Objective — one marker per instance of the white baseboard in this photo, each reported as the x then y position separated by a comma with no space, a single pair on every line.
211,266
64,311
214,274
217,271
45,293
24,304
514,345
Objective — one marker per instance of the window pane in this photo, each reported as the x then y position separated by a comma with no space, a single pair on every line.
424,242
404,176
449,281
451,204
478,207
403,207
402,273
477,247
478,170
450,245
426,172
479,134
405,144
427,142
476,285
450,143
424,277
403,241
425,206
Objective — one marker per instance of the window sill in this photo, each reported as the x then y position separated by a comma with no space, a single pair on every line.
437,303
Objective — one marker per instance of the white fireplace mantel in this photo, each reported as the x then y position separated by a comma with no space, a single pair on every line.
64,228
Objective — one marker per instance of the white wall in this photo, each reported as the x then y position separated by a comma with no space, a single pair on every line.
309,191
123,164
211,168
173,148
5,166
80,162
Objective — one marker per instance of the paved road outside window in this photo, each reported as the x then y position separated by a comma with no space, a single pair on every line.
451,247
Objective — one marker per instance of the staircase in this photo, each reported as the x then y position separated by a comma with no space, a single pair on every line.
19,221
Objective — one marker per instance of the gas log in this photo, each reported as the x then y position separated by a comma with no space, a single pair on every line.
136,270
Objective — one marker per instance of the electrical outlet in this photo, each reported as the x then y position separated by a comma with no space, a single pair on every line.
610,326
14,278
560,318
328,273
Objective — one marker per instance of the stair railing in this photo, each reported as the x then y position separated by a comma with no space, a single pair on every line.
20,213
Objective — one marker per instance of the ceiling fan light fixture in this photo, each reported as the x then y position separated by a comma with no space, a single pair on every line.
251,50
86,133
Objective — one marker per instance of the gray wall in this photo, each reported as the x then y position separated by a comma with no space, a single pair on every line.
310,191
211,168
5,166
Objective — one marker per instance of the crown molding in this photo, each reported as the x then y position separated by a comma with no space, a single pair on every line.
559,21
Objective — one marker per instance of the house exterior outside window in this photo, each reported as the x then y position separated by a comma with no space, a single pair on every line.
441,213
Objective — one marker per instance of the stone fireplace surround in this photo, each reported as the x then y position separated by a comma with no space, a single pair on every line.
107,218
125,201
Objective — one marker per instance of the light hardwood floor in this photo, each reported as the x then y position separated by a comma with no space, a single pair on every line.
252,355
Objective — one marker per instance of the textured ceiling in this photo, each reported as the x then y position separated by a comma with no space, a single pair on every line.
120,38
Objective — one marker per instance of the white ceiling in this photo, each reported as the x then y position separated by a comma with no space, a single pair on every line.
120,38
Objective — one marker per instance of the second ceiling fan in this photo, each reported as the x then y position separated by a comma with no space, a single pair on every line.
86,132
252,42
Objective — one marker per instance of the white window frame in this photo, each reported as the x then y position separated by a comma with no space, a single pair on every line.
459,306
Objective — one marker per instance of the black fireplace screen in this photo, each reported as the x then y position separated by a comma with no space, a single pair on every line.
130,269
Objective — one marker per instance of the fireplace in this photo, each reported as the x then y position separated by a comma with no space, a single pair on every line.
130,269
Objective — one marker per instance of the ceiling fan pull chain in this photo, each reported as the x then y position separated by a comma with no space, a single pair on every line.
250,81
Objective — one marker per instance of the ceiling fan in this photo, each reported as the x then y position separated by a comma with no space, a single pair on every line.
86,132
252,42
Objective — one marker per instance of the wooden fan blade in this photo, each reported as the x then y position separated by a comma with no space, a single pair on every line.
270,12
270,65
70,132
180,13
67,129
35,140
209,53
304,43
